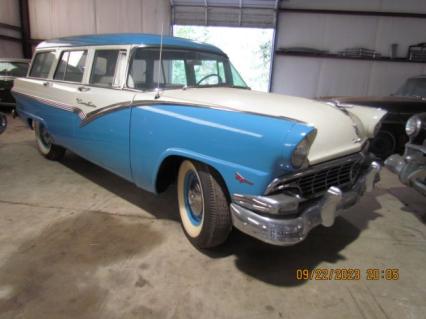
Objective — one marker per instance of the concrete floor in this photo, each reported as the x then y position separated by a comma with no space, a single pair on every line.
78,242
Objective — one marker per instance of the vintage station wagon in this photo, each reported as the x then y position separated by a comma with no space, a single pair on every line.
158,110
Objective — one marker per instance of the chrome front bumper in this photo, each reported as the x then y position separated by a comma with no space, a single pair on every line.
410,168
289,231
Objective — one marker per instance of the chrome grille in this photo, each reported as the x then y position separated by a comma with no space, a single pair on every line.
315,181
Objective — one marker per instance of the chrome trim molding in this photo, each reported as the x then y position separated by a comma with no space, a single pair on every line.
58,105
272,187
101,111
290,231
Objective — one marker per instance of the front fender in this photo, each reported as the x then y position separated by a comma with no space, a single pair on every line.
256,148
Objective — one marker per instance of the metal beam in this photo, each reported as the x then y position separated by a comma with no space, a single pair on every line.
9,27
274,45
9,38
358,13
25,28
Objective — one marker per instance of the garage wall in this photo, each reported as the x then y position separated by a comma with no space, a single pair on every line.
9,14
55,18
312,77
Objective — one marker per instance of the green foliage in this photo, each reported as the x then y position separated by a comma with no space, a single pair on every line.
249,49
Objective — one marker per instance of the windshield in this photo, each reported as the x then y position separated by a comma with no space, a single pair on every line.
13,69
415,87
181,68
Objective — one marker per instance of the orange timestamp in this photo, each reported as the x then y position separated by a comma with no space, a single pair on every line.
347,274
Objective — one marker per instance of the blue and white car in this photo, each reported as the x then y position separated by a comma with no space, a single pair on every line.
161,110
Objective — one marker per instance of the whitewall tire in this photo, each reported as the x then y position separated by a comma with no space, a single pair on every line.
203,205
45,143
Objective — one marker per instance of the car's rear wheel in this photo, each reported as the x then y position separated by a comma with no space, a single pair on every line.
203,205
45,143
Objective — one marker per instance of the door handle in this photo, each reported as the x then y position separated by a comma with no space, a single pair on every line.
83,88
46,83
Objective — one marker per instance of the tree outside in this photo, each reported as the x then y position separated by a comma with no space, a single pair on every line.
249,49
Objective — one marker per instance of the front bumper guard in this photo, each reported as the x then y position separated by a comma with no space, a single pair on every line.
411,170
290,231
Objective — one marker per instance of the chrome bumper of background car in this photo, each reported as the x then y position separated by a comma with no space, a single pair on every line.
410,168
290,231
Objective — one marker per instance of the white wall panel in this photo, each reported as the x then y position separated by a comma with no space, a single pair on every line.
343,77
295,75
9,12
349,31
301,30
413,6
10,49
56,18
385,79
399,30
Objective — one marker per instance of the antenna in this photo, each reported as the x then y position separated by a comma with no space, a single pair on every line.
157,90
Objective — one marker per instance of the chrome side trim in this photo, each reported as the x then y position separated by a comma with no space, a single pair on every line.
58,105
101,111
280,204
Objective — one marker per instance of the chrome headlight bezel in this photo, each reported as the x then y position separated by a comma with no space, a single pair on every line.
299,156
413,126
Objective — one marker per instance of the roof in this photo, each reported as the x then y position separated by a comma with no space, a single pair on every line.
126,39
14,60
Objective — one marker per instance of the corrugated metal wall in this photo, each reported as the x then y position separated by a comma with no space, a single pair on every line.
55,18
312,77
9,14
226,13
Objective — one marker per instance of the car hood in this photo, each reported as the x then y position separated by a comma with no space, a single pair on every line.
339,132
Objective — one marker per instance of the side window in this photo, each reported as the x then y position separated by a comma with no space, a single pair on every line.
71,66
236,78
178,72
41,64
137,74
104,66
207,72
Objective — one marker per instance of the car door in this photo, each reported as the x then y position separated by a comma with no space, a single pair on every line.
45,101
102,133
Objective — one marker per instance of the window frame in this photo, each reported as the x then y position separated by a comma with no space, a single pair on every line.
124,71
59,57
171,47
54,63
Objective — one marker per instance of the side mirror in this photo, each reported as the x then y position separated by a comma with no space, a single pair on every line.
3,122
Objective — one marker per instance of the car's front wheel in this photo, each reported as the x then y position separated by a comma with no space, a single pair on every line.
203,205
45,143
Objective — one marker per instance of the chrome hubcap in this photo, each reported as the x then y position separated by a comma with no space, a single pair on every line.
45,137
194,198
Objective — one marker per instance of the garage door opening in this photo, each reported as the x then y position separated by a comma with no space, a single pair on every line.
249,49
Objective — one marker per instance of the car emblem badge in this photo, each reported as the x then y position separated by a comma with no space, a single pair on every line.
242,179
357,139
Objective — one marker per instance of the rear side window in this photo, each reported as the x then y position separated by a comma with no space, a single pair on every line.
71,66
104,67
13,68
41,64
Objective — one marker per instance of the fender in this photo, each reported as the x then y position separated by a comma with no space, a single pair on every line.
247,150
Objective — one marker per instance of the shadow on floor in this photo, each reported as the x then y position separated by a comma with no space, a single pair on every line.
163,206
414,202
271,264
278,265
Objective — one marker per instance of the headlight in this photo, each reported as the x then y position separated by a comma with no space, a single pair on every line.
413,126
300,153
